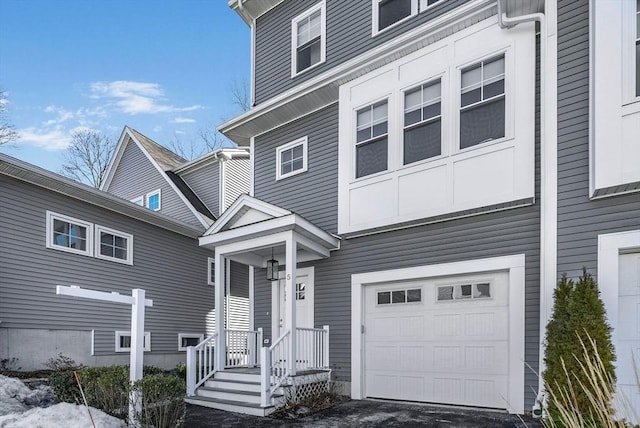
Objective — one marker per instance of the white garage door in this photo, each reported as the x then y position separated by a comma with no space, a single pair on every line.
439,340
628,337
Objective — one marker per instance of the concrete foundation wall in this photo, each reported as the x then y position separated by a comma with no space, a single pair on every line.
33,347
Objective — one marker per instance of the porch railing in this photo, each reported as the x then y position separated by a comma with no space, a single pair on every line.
312,346
243,348
200,363
312,353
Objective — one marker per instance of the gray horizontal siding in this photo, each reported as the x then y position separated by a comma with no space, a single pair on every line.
348,35
581,220
171,268
239,275
237,179
490,235
205,182
136,176
314,193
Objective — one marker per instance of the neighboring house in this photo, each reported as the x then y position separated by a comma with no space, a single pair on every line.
425,170
195,192
56,231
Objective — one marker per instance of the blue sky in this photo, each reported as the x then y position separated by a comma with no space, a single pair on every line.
162,67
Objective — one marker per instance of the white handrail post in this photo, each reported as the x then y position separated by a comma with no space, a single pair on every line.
191,371
137,349
326,346
259,342
265,377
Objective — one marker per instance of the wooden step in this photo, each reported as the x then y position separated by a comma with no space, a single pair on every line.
238,385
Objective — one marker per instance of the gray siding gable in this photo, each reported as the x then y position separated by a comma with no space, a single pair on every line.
348,29
205,182
135,176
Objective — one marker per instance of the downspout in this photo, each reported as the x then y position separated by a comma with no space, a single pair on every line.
548,179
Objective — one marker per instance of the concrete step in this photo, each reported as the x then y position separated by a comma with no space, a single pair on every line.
231,405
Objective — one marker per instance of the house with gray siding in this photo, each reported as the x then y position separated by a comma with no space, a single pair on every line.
56,231
423,171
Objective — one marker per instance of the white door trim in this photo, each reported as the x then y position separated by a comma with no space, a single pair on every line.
275,299
515,265
610,246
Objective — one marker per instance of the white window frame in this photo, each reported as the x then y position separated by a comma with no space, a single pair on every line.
51,216
138,201
198,336
424,6
629,38
391,130
101,229
124,333
289,146
443,100
150,194
375,28
508,111
211,263
294,38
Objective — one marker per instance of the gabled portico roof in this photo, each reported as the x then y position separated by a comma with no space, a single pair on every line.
249,228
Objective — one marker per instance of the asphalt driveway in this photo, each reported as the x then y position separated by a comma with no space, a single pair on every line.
366,413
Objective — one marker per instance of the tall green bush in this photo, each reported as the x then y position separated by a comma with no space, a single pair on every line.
578,312
162,399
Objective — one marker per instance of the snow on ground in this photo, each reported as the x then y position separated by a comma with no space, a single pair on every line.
21,407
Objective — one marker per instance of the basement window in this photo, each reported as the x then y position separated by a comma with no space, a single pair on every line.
123,341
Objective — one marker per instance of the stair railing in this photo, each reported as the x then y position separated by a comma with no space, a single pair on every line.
273,367
312,348
200,363
242,347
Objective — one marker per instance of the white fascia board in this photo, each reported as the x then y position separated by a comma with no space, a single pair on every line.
245,201
115,159
184,199
211,157
341,74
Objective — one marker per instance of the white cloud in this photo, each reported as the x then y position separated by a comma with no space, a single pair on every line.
54,139
63,115
136,97
183,120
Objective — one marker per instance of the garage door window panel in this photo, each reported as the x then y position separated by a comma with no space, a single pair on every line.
413,295
459,292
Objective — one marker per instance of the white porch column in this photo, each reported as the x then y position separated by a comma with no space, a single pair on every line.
290,290
220,351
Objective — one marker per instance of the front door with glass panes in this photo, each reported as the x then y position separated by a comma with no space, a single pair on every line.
304,302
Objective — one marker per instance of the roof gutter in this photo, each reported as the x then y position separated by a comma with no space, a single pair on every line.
549,169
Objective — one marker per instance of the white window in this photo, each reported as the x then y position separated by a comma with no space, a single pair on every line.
211,271
153,200
422,122
463,292
386,13
189,339
413,295
123,341
308,38
113,245
69,234
138,201
291,158
426,4
301,291
482,102
371,139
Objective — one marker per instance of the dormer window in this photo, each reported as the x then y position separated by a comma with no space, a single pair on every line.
308,39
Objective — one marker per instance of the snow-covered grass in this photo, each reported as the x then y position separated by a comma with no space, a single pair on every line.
21,407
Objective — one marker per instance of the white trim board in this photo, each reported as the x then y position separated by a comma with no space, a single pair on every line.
515,265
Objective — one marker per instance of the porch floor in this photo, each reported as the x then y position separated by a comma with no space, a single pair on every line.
256,370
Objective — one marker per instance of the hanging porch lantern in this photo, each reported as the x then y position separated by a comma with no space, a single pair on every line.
272,268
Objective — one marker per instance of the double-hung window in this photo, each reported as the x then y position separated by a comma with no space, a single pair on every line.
482,102
372,139
113,245
291,158
308,39
389,12
69,234
422,122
